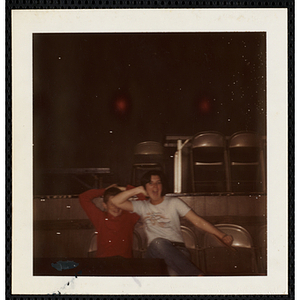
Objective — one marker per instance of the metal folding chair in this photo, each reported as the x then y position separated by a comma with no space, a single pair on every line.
209,162
92,250
246,162
239,259
191,243
148,156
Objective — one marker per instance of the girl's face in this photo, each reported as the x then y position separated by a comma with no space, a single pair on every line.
154,188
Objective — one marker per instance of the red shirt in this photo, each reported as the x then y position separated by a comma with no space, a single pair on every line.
115,234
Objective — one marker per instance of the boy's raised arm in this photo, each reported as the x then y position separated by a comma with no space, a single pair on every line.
121,199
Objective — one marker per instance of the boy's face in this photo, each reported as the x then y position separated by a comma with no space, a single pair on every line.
154,188
111,208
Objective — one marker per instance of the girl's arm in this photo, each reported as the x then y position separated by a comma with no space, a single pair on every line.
206,226
121,199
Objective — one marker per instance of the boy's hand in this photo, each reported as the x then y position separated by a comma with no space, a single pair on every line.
227,240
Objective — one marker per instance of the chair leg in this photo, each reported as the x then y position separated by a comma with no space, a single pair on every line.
192,173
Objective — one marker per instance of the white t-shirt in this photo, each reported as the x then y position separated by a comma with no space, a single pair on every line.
162,220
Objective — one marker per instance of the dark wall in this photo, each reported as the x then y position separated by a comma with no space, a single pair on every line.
96,95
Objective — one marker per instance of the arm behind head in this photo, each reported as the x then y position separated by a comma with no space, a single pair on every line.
121,200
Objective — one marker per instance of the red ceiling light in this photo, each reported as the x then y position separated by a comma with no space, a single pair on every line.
121,106
204,105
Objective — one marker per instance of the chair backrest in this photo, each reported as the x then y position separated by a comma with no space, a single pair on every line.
208,162
137,241
147,156
208,147
241,237
244,147
137,247
148,148
191,243
244,139
189,237
220,260
208,139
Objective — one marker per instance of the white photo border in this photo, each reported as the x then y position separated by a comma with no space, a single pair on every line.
272,21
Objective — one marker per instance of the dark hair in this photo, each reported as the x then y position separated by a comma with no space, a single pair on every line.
113,191
146,178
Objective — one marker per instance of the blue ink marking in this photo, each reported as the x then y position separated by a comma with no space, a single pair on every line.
64,265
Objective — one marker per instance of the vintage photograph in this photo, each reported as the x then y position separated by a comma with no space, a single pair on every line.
108,108
150,155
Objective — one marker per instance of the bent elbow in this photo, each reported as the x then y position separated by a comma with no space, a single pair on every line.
114,201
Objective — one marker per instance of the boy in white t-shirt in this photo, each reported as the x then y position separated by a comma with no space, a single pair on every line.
161,216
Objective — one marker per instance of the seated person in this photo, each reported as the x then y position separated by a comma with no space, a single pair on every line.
161,216
114,226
